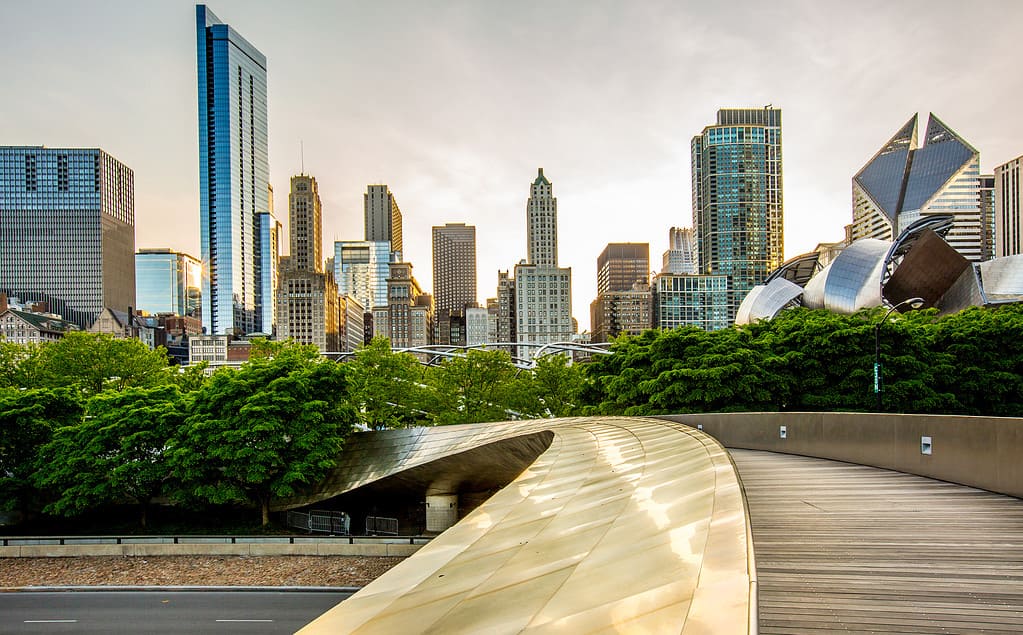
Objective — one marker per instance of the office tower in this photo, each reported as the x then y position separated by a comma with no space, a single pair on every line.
167,282
506,323
383,218
234,175
543,291
267,272
407,319
987,216
685,300
361,269
477,325
621,265
681,255
904,182
623,303
308,307
352,325
67,230
1008,192
737,198
454,278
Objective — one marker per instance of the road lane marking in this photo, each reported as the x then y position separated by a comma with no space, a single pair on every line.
51,621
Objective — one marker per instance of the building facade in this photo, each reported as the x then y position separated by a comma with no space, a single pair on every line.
543,290
383,219
67,230
361,269
1008,189
615,313
168,282
737,198
904,182
25,327
680,258
267,272
454,279
234,175
309,310
407,319
621,265
684,300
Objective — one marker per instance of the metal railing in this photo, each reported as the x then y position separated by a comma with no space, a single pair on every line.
381,525
328,522
22,541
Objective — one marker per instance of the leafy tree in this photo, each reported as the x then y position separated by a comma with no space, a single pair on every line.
94,361
473,388
387,387
118,453
557,386
27,421
11,357
263,431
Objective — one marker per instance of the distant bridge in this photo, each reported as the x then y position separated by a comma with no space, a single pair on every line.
436,354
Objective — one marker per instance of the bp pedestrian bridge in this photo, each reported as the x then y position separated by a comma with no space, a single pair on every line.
715,523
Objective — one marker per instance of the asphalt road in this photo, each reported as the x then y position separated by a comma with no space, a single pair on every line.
162,612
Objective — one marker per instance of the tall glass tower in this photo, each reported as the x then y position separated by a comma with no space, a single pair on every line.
737,198
233,175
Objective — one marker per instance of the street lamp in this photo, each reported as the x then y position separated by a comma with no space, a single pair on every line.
914,303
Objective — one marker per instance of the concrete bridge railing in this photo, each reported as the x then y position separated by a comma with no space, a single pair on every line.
982,452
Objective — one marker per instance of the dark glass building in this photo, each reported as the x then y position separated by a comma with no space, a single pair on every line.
234,175
67,230
737,198
168,282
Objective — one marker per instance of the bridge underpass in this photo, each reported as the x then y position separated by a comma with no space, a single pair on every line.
849,548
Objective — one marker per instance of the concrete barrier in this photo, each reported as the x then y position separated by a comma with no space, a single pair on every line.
982,452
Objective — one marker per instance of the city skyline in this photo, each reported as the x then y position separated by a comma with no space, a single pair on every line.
605,97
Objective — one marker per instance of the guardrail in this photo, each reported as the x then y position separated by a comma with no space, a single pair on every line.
24,541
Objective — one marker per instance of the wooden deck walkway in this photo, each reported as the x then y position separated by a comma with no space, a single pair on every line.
853,549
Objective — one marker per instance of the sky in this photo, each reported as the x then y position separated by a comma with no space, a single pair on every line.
456,104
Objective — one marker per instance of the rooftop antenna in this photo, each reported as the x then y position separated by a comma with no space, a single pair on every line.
301,146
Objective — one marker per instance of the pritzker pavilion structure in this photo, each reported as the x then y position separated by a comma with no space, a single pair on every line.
870,272
713,523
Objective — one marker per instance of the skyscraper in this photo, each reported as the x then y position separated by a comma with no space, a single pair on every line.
67,230
454,278
167,282
1008,222
234,175
737,198
361,268
308,309
680,258
383,218
904,182
623,303
543,291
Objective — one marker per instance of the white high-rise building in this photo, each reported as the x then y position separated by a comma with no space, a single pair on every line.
543,291
1008,225
681,255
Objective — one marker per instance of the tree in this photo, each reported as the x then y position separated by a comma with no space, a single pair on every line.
11,357
386,387
263,431
473,388
27,421
557,386
118,453
94,361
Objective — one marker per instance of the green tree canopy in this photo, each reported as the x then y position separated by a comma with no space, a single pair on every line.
117,454
94,361
263,431
387,387
474,388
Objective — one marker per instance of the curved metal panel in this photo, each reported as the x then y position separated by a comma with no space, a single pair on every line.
854,281
813,292
622,525
1002,278
772,298
742,313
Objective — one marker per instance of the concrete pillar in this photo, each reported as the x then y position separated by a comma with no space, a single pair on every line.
441,511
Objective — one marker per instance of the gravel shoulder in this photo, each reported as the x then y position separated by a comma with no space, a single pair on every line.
194,571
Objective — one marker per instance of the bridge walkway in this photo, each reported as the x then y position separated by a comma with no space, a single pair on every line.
854,549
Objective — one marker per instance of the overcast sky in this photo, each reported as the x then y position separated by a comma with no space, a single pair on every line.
455,105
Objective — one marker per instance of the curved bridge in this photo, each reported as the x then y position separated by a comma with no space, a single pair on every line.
621,524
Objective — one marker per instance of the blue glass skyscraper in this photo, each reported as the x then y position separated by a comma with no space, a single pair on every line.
737,198
234,175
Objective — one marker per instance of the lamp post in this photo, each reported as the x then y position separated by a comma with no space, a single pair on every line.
914,303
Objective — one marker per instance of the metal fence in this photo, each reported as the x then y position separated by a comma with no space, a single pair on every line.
381,525
328,522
